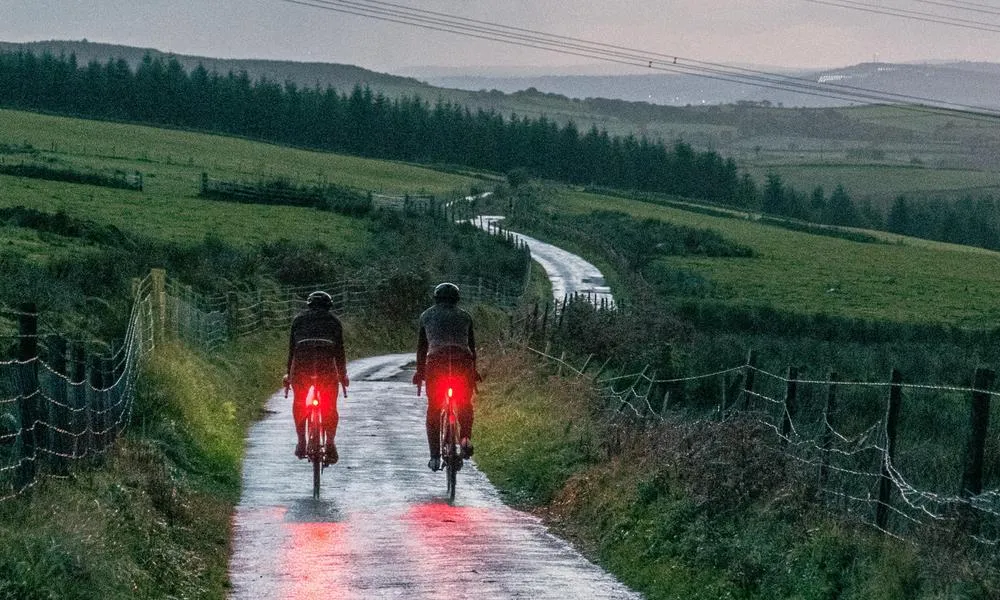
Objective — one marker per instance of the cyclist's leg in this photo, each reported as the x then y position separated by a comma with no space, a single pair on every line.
331,417
433,424
299,414
465,410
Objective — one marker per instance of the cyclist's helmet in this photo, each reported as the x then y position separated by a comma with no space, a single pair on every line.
319,299
446,292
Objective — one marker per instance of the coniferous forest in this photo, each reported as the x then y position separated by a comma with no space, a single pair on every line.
361,122
366,123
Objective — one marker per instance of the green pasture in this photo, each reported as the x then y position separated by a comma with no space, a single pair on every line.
881,182
925,120
174,152
912,281
172,163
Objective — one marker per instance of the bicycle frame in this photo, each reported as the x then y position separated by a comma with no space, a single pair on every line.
315,433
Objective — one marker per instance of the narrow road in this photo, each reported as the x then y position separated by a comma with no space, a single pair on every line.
382,527
568,273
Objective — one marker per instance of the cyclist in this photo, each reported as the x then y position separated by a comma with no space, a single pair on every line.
316,347
446,342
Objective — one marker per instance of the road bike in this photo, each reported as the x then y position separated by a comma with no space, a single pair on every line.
454,389
315,401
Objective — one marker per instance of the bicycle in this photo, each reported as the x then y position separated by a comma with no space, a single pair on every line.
454,388
315,431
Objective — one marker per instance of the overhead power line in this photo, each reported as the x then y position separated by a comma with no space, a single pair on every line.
474,28
967,6
914,15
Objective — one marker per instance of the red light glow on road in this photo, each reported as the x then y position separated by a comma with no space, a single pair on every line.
312,561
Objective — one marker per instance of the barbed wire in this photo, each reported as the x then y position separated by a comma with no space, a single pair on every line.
844,460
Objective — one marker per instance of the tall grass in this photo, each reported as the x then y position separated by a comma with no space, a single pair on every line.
693,510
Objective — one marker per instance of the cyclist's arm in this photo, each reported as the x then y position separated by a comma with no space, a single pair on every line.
472,342
340,355
291,349
421,350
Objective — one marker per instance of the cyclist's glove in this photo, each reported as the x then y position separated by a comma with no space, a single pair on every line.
418,377
344,381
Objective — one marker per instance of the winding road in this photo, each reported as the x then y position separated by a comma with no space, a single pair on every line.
568,273
382,527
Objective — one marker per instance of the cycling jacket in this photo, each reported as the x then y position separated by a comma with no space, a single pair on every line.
316,345
445,329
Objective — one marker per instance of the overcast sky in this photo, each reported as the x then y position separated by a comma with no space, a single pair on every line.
774,33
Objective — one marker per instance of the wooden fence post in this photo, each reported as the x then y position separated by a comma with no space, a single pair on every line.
111,407
545,321
95,407
891,424
827,436
749,372
791,390
59,413
79,380
158,278
233,314
28,392
972,475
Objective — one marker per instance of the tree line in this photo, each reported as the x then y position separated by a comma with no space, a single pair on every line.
360,122
367,123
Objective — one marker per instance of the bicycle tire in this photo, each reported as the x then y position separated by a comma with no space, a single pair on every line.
315,456
451,467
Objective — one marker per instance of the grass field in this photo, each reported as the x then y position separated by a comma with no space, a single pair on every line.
881,183
913,281
172,163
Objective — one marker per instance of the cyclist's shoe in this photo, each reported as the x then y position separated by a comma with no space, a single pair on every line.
300,450
330,457
466,445
434,464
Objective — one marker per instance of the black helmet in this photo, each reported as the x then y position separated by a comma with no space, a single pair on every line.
446,292
319,299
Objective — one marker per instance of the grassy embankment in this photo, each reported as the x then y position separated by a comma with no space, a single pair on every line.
703,510
152,520
909,280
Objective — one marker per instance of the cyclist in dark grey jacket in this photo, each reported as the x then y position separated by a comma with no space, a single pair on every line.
316,347
446,343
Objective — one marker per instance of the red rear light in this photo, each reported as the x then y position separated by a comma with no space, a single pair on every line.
450,392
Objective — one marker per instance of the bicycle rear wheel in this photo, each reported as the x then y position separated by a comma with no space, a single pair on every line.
315,450
452,460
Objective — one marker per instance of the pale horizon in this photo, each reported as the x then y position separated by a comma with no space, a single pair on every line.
775,34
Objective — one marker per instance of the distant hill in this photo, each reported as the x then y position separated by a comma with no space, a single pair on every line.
342,77
973,84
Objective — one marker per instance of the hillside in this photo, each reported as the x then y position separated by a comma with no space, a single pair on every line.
971,84
718,518
343,77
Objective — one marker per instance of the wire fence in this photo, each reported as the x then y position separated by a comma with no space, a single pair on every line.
915,461
65,401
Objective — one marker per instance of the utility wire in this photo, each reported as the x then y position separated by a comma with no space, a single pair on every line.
967,6
437,21
910,14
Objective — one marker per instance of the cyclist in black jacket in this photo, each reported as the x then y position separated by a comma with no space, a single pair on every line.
446,342
316,347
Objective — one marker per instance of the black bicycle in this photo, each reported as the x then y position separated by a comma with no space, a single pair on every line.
450,437
315,402
453,389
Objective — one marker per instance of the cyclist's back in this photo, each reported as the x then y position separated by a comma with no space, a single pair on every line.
316,357
446,345
316,344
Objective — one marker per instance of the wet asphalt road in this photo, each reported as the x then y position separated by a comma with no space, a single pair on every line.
382,527
568,273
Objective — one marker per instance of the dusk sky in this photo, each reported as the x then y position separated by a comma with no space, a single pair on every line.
773,33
